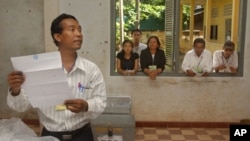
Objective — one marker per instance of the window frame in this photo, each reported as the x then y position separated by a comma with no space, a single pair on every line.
241,43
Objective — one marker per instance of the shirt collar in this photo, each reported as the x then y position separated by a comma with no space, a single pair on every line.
79,64
196,55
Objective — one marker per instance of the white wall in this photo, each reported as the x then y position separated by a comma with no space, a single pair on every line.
167,98
22,33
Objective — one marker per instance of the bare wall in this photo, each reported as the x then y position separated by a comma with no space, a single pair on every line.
22,33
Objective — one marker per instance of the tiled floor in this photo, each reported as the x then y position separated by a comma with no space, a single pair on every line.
176,134
182,134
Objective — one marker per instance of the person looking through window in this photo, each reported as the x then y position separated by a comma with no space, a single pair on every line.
127,60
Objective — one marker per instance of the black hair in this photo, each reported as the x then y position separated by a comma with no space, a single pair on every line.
56,26
229,44
200,40
127,41
135,30
157,40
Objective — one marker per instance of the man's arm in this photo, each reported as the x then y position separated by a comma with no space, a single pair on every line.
97,102
19,103
235,60
186,66
217,66
16,99
209,63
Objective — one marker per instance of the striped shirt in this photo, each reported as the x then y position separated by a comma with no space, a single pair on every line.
86,82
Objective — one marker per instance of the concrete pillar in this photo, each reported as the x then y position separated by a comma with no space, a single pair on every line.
207,17
191,33
51,10
235,21
181,21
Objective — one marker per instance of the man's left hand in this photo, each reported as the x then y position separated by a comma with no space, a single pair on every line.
76,105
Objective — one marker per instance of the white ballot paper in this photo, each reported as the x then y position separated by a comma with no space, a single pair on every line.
45,82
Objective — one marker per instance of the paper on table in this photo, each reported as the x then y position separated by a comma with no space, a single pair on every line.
45,84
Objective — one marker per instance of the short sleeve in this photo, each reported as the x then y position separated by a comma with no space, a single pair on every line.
119,55
135,55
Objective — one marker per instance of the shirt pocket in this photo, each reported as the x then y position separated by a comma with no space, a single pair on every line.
82,91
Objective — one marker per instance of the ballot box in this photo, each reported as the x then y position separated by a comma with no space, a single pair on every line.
116,123
118,105
120,127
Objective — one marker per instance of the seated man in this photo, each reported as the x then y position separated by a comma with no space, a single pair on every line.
197,61
226,60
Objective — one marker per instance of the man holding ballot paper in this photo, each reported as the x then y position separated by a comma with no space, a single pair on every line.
68,121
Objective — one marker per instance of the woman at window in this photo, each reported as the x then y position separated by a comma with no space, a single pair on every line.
153,59
127,60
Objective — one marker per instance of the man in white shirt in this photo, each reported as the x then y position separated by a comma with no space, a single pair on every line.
84,78
226,60
137,45
198,61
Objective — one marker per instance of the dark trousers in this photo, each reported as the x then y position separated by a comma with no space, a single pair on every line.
82,134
